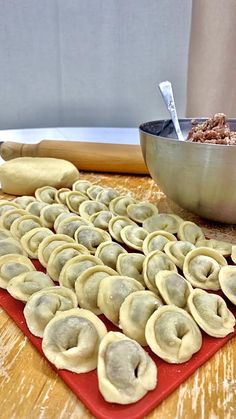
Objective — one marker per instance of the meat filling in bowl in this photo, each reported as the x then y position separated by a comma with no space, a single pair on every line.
215,130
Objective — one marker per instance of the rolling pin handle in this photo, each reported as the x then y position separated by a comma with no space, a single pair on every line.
11,150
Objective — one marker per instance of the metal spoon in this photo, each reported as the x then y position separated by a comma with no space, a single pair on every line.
168,97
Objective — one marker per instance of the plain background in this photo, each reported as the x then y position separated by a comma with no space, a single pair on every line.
90,62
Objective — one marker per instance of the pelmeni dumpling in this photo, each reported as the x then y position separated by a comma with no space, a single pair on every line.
46,194
60,255
116,224
81,186
31,240
50,243
61,217
34,208
112,292
157,240
61,194
74,267
69,225
125,370
211,313
24,285
140,211
24,224
167,222
49,214
11,246
7,206
101,219
42,306
135,312
227,279
12,265
93,191
131,264
108,252
4,234
24,200
106,195
133,236
119,205
87,208
87,286
9,216
153,263
233,254
190,232
74,200
173,288
91,237
71,340
177,251
202,266
224,248
172,334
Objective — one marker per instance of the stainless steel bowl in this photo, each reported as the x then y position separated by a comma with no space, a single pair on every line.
198,177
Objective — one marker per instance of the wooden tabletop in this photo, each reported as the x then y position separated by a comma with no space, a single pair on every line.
29,388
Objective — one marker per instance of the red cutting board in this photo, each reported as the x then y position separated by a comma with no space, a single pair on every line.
85,386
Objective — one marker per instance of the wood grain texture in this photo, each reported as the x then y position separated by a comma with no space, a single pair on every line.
30,388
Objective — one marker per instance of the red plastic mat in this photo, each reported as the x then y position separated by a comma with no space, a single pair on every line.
85,386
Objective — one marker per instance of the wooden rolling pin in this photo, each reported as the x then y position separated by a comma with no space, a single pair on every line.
88,156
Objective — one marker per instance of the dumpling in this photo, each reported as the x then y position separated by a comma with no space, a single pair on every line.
87,286
135,312
9,216
131,264
49,214
119,205
190,232
69,225
233,254
177,251
125,370
93,191
24,200
157,240
91,237
12,265
46,194
75,267
106,195
224,248
61,217
153,263
71,340
173,288
81,186
61,194
24,224
112,292
227,279
87,208
34,208
11,246
202,266
211,313
60,255
167,222
116,224
108,252
140,211
7,206
24,285
42,306
31,240
74,200
4,234
50,243
101,219
172,334
133,236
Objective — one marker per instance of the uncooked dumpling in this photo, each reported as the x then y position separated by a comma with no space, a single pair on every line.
233,254
93,191
108,252
173,288
11,246
24,224
116,224
31,240
131,264
24,285
24,200
133,236
91,237
34,208
49,214
140,211
153,263
69,225
119,205
62,217
46,194
88,208
81,186
224,248
61,194
50,243
9,217
101,219
125,371
106,195
157,241
167,222
74,267
7,206
177,251
74,199
60,255
190,232
227,279
12,265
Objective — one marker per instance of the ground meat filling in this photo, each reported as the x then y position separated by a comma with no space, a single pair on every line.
215,130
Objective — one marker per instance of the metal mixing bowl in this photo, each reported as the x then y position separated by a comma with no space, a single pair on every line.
198,177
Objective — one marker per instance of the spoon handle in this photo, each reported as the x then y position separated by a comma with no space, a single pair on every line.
167,94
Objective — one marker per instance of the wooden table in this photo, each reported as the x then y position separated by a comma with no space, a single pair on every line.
29,388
